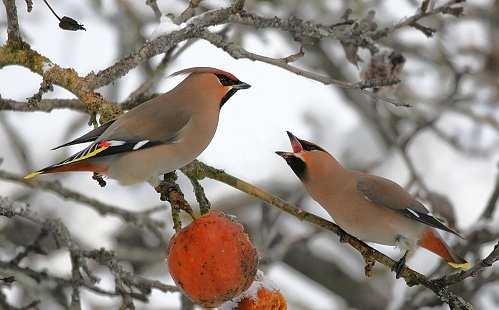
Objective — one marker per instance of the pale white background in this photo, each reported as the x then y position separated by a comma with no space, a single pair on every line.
252,127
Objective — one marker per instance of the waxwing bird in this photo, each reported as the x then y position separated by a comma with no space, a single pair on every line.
371,208
158,136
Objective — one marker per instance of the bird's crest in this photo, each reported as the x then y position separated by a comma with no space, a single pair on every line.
204,70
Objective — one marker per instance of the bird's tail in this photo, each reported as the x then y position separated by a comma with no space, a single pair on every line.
77,162
78,166
432,241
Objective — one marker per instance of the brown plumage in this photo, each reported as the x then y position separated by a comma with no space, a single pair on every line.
369,207
158,136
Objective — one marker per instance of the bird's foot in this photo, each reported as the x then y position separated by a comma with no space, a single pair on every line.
98,177
343,236
399,266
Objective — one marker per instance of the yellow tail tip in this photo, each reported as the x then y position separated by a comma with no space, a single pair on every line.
463,266
32,175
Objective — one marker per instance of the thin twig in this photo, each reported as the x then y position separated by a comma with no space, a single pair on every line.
488,213
473,271
52,10
13,32
153,4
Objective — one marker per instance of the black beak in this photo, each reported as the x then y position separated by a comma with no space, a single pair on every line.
296,163
285,154
241,85
295,143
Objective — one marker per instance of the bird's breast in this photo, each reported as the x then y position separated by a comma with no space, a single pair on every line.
142,165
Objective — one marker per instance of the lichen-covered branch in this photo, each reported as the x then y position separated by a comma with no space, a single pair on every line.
20,53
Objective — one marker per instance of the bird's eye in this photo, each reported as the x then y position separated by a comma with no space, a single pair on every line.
225,81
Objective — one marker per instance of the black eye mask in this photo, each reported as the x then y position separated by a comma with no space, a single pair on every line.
308,146
225,81
298,166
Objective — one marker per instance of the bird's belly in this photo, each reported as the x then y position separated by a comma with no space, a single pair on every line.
372,223
140,166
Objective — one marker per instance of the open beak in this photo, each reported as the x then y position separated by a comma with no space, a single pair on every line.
241,85
285,155
295,143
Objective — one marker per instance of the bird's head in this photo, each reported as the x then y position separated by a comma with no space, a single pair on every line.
307,158
214,81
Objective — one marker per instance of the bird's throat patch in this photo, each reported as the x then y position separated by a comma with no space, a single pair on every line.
298,166
227,96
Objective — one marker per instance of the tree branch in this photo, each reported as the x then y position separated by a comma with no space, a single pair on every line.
13,32
155,8
162,44
23,55
447,8
44,105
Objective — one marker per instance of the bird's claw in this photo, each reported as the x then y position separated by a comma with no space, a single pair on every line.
399,266
99,179
343,236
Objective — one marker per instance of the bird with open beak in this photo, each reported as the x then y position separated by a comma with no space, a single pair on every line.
371,208
158,136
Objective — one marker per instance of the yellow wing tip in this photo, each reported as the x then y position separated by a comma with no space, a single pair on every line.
463,266
32,175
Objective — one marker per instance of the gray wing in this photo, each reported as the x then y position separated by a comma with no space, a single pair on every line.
89,136
154,120
386,193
